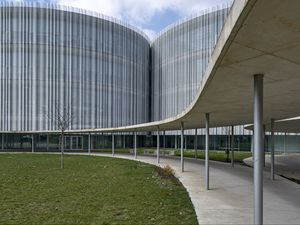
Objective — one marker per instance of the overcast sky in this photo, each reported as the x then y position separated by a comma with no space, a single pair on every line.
149,15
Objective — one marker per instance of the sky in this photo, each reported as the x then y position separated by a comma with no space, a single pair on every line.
151,16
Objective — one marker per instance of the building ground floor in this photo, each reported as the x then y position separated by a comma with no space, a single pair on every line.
97,141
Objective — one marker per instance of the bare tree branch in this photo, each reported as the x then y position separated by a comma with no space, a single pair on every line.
62,118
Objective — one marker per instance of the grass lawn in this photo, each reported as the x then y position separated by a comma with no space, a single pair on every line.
90,190
216,155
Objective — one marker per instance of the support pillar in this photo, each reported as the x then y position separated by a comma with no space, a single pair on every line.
89,147
176,140
285,143
215,139
135,151
258,150
272,150
195,143
164,144
207,151
102,141
32,143
158,146
252,145
47,142
2,142
181,150
264,136
124,142
232,146
113,145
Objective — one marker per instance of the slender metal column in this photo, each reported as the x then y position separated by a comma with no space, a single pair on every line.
181,150
232,146
71,143
32,143
103,141
164,139
176,140
264,140
207,151
215,138
2,144
285,140
124,141
47,142
113,144
252,145
272,150
135,153
158,145
89,143
195,143
258,149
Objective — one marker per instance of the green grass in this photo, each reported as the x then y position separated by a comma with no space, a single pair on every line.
90,190
215,155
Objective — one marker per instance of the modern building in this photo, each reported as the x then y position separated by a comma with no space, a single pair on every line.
104,72
53,56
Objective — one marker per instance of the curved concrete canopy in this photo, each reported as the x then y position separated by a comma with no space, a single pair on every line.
259,37
291,125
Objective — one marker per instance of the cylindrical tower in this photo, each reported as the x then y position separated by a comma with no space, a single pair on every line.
95,66
180,54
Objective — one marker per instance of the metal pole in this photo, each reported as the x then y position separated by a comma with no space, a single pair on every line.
285,140
258,149
32,143
252,145
181,150
272,150
158,145
124,141
207,150
176,140
164,139
47,144
113,145
102,140
195,143
264,140
232,146
2,144
89,143
135,153
215,139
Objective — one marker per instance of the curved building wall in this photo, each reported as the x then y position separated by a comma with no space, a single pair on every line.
96,68
180,55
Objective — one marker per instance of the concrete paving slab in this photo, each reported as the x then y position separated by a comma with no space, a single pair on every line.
287,165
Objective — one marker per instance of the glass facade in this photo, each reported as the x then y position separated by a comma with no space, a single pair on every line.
95,67
180,55
106,73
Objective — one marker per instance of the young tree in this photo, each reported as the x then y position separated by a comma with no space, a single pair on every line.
62,118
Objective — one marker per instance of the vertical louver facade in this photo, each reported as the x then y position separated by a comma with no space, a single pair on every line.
53,57
180,55
105,72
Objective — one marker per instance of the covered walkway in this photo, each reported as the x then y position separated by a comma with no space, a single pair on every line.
287,165
230,200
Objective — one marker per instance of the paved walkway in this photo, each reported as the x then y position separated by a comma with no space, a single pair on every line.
287,165
230,199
